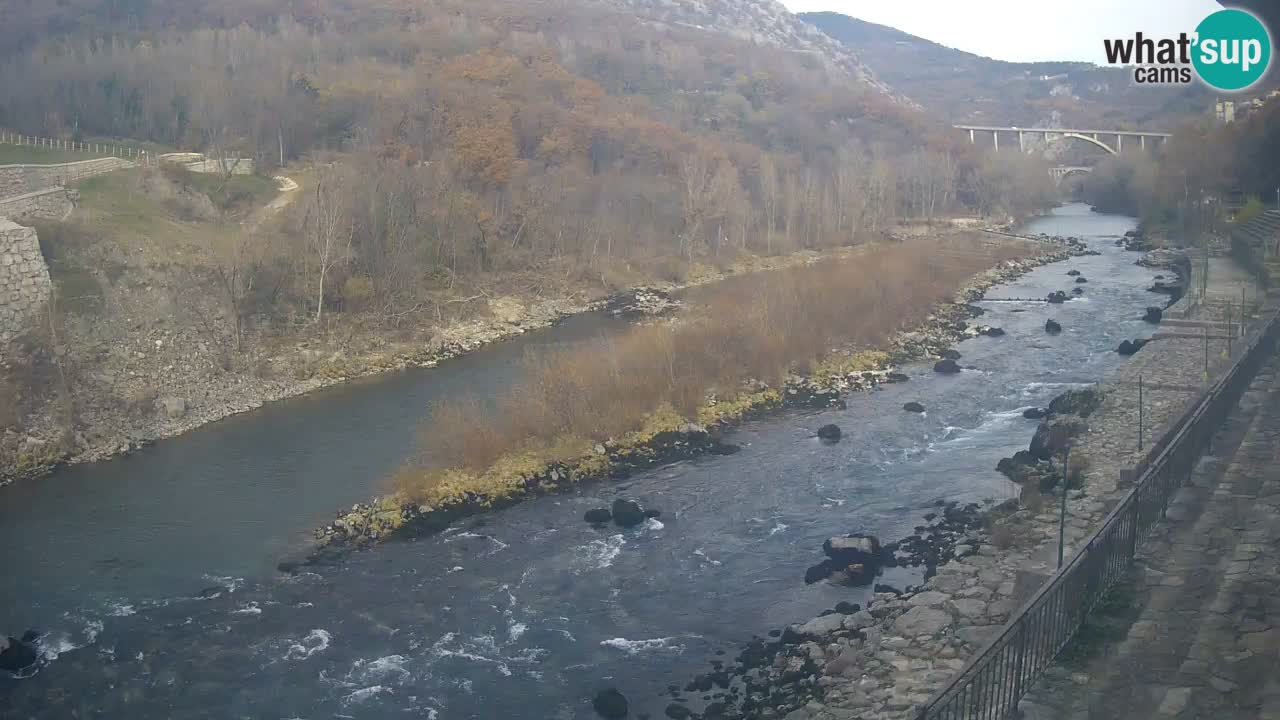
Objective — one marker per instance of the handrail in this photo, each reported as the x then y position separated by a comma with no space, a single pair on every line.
995,678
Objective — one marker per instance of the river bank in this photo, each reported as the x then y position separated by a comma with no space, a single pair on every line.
886,660
667,436
165,385
529,610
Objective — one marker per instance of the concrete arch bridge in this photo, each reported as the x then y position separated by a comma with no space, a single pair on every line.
1110,141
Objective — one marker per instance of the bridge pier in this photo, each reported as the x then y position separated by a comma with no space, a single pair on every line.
1022,143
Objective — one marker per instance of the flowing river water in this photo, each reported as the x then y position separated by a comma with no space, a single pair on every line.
152,576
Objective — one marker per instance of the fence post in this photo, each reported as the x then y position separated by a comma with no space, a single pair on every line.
1062,514
1140,418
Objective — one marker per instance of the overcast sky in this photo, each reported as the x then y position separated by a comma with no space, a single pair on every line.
1024,30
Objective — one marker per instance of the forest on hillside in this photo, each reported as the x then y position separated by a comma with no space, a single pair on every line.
441,140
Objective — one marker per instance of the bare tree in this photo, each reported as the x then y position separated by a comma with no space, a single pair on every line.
328,231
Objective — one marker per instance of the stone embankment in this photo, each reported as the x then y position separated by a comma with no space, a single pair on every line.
22,179
671,438
886,660
25,286
1196,631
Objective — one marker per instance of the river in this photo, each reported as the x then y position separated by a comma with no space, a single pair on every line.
152,575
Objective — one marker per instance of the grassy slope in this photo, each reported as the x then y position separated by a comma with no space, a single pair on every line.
27,155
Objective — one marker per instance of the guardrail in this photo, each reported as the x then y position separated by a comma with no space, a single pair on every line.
100,149
992,682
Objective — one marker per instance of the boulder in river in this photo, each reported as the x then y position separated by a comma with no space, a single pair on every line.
627,513
676,711
598,516
896,377
1035,413
1153,315
1077,291
1081,280
946,367
1131,347
1052,326
1081,401
950,354
852,549
914,407
1057,297
991,331
1054,435
830,433
611,704
1073,272
16,654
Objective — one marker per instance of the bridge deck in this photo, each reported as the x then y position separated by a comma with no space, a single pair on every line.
1059,131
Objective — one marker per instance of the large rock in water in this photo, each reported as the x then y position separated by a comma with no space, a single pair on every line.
852,549
17,655
830,433
1073,273
1153,315
946,367
1052,327
1080,402
914,407
611,704
627,513
1130,347
598,515
1057,297
1054,435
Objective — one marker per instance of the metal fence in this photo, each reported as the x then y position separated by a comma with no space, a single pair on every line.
990,685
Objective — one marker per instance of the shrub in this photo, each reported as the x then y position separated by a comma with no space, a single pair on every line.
1253,207
357,292
757,327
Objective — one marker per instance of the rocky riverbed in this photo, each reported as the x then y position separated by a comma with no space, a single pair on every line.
667,439
885,661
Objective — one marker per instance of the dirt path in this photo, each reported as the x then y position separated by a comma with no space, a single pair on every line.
288,193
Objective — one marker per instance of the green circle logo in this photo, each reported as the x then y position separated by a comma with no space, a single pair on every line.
1232,50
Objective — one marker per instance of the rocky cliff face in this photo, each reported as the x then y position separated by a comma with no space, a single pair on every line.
761,21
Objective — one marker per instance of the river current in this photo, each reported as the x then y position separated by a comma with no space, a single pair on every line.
152,576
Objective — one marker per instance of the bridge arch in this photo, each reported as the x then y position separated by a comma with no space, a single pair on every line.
1089,139
1060,173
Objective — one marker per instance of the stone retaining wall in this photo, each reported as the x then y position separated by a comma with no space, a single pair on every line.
23,179
53,203
24,279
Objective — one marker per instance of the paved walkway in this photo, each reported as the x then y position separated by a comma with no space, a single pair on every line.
1205,642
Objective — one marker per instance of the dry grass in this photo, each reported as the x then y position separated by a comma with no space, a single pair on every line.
758,327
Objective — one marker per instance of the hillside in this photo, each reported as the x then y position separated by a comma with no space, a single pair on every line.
468,169
967,88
